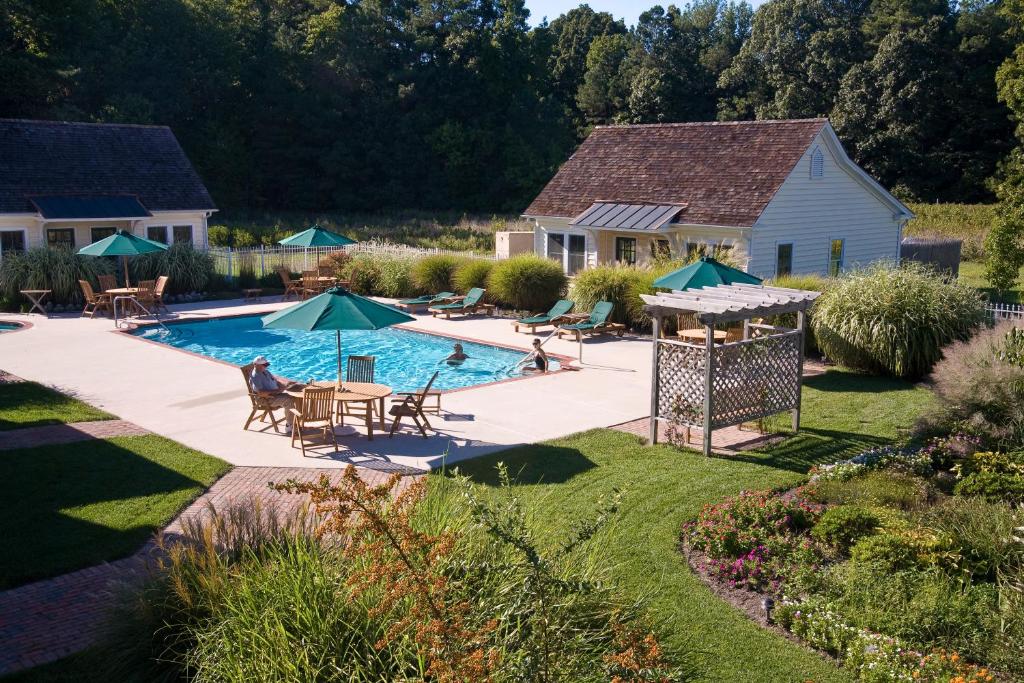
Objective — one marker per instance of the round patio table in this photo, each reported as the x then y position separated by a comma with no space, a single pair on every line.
36,296
699,335
357,392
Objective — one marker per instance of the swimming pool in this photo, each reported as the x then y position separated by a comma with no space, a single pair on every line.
9,327
405,359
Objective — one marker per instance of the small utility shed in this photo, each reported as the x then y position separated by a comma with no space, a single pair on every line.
71,184
711,385
779,196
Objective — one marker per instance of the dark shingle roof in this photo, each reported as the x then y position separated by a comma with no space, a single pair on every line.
725,173
54,158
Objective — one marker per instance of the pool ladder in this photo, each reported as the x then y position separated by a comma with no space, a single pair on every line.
521,360
128,297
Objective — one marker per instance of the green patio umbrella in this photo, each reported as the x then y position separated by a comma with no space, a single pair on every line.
336,309
316,236
707,272
123,244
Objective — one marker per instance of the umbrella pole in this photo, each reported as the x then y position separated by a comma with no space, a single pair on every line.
124,262
338,336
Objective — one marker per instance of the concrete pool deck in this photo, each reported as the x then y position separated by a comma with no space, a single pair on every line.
201,402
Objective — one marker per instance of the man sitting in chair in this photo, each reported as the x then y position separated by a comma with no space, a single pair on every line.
271,388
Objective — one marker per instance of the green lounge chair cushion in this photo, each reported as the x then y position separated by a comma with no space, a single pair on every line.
558,310
427,298
598,316
472,299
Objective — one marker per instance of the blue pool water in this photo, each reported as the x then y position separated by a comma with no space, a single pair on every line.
9,327
405,360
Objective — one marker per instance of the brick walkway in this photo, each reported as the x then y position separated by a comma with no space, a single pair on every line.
68,433
47,620
723,441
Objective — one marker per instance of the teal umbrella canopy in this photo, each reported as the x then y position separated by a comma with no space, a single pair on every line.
316,237
122,243
336,309
707,272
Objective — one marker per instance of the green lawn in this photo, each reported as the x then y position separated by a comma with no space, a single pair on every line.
973,273
843,413
74,505
27,404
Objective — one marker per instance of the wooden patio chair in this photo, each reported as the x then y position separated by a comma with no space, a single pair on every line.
360,369
316,412
158,294
291,287
93,302
145,294
310,284
411,405
261,407
107,282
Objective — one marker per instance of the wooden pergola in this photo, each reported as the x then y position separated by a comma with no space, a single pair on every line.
713,385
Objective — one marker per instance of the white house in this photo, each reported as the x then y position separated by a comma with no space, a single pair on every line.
781,196
71,184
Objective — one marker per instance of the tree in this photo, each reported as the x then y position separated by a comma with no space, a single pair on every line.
571,36
602,97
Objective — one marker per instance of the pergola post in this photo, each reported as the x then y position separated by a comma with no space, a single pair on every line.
795,412
709,342
655,384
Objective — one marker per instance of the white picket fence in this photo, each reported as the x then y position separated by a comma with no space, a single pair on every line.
262,261
998,312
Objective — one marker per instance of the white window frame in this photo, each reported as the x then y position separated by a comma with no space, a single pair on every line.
172,226
24,238
567,236
168,232
842,257
792,257
100,227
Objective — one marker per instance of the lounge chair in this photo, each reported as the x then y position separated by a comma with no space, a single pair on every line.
261,407
471,303
94,303
317,412
549,318
596,324
425,300
411,405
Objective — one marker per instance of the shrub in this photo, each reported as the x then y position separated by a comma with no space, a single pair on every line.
339,262
809,282
978,536
363,274
434,274
219,236
894,320
885,552
879,487
189,269
979,391
527,282
58,270
993,486
989,461
620,284
472,273
741,523
394,277
841,527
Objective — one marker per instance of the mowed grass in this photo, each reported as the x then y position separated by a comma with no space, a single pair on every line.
973,273
74,505
563,479
27,404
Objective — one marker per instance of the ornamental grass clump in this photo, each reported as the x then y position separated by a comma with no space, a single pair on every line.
58,270
472,272
188,269
433,274
527,283
894,320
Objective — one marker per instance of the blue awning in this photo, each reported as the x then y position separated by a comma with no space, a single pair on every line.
85,206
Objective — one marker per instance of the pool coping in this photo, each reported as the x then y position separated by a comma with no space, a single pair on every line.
565,362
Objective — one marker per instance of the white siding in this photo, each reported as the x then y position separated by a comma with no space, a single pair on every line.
810,212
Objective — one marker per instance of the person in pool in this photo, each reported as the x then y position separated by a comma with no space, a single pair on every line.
540,359
457,358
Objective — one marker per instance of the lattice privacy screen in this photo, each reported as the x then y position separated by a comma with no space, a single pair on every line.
750,379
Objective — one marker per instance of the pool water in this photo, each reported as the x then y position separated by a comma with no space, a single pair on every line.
405,359
9,327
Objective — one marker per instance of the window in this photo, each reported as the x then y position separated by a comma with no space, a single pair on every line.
63,237
157,233
577,256
12,240
817,163
98,234
835,257
625,250
783,260
556,246
660,250
182,233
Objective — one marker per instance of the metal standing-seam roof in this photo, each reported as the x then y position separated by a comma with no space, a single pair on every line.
56,207
627,216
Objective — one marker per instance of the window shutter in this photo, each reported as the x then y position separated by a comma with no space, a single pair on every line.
817,163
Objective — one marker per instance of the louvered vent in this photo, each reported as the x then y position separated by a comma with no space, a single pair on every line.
817,163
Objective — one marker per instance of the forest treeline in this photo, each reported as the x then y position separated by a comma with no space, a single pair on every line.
460,104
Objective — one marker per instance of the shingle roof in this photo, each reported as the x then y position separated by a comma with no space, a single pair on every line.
726,173
54,158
